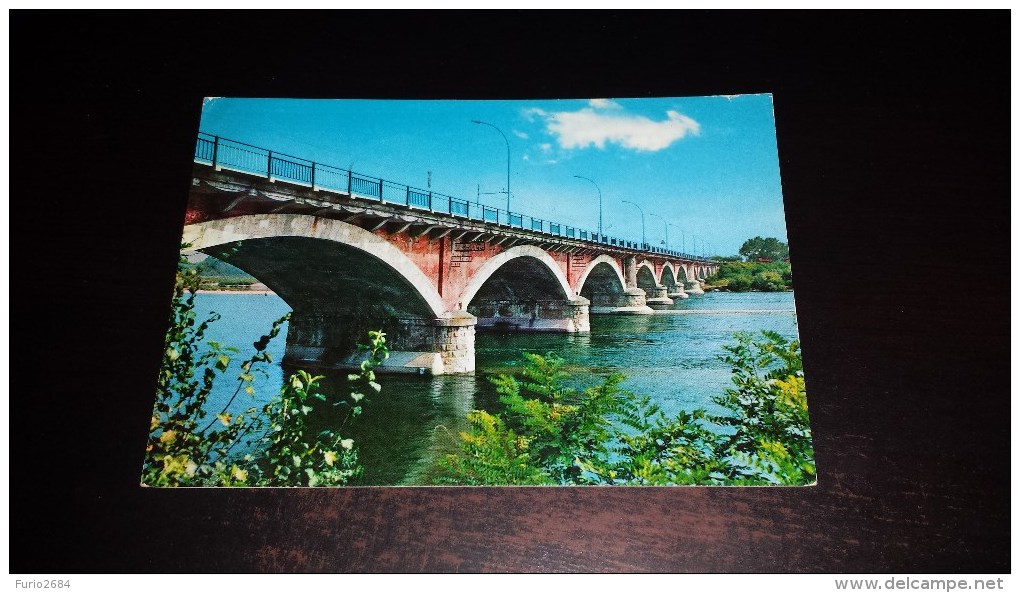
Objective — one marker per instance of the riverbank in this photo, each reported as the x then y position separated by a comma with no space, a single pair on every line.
720,311
240,291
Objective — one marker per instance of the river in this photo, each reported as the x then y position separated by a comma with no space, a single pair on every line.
671,356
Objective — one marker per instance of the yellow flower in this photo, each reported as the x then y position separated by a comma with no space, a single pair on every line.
238,474
168,436
331,457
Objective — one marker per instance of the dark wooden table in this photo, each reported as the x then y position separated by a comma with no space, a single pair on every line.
894,144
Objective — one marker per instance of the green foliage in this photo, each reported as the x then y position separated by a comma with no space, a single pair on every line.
669,451
224,282
293,458
550,434
740,282
212,269
764,248
744,276
192,446
771,438
216,274
491,453
768,281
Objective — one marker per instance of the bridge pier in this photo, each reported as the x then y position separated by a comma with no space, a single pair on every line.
565,316
419,346
694,288
657,298
677,292
455,339
630,302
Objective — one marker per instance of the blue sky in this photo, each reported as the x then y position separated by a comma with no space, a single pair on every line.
708,166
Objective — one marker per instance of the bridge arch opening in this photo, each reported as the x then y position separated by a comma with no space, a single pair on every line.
341,281
668,277
646,278
603,284
523,289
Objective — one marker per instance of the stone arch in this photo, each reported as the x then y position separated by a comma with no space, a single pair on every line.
645,277
682,274
602,259
341,282
668,276
603,284
495,263
265,226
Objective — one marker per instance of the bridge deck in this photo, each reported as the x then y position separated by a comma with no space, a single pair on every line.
298,184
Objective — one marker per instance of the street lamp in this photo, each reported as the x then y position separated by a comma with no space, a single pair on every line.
600,200
643,242
475,121
702,249
665,225
683,238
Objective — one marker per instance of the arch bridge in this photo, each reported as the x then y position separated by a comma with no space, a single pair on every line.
350,253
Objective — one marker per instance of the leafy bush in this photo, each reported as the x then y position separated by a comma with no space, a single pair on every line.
192,446
764,248
771,436
768,281
740,282
550,434
744,276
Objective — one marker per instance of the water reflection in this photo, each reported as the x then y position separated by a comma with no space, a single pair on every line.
405,427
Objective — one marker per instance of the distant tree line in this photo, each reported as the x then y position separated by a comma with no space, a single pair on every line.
764,250
215,273
765,267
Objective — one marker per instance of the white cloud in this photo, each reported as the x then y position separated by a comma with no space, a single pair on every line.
520,134
586,127
531,114
525,158
545,146
604,104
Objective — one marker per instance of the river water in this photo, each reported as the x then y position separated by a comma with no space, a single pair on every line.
671,356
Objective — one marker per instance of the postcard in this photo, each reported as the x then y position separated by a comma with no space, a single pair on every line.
571,292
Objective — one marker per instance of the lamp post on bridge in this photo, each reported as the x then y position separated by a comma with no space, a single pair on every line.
683,238
643,242
665,225
600,201
696,247
475,121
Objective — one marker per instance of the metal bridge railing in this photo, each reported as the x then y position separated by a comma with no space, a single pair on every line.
224,153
